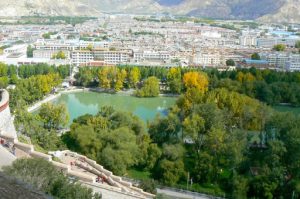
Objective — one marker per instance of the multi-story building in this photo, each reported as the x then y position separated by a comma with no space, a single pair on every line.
49,53
151,56
248,40
282,61
84,57
270,42
208,59
294,63
20,49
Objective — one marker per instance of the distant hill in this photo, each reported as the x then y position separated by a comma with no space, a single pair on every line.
266,10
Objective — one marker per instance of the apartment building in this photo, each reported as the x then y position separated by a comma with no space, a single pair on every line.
294,63
248,40
49,53
210,59
151,56
19,49
270,42
84,57
283,61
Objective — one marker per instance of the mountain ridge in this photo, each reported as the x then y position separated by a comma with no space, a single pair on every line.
264,10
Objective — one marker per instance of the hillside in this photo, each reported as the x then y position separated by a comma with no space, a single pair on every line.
266,10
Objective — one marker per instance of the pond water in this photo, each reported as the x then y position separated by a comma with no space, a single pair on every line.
81,103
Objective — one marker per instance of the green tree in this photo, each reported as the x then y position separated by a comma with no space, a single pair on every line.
297,44
171,171
30,51
230,62
174,80
53,116
279,47
150,88
45,177
255,56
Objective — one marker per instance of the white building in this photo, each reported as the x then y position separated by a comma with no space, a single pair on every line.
270,42
82,57
16,49
49,53
294,63
209,59
283,61
151,56
248,40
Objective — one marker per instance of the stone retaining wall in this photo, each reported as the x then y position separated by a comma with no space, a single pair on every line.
6,120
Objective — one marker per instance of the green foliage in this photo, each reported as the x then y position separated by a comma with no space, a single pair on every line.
59,55
279,47
111,137
255,56
230,62
32,89
46,178
148,186
53,116
4,82
297,45
29,51
174,80
48,35
150,88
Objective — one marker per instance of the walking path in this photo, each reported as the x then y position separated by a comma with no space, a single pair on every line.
176,194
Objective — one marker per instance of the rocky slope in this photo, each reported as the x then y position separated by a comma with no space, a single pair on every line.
289,12
266,10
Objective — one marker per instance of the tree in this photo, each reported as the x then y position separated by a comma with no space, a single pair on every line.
134,77
53,116
148,186
255,56
196,80
230,62
59,55
150,88
120,79
171,171
174,80
279,47
84,77
104,78
112,138
90,47
120,151
297,45
4,82
29,51
45,177
165,130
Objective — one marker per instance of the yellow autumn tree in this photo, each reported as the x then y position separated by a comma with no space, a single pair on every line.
196,80
134,77
103,76
121,75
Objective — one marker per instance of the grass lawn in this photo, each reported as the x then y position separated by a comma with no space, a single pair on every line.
295,110
139,175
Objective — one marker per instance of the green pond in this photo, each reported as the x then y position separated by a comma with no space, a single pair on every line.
81,103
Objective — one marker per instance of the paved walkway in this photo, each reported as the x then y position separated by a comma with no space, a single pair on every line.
181,195
6,157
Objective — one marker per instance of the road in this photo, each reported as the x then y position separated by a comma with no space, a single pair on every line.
182,195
